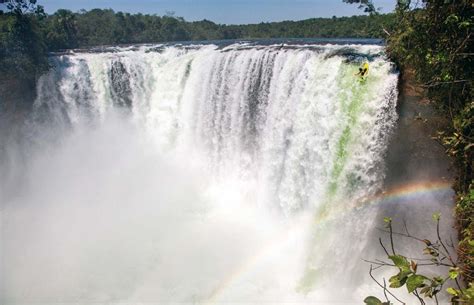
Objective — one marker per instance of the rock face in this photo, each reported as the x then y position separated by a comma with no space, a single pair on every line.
16,95
419,173
413,153
16,99
120,85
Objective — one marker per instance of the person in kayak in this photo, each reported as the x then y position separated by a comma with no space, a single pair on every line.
364,70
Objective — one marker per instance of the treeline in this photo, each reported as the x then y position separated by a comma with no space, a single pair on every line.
65,29
27,34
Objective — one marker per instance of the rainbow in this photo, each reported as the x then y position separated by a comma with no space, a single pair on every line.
407,192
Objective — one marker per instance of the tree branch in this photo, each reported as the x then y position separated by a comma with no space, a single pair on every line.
383,287
384,249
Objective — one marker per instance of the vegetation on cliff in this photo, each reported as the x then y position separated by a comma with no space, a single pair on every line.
22,47
439,254
435,41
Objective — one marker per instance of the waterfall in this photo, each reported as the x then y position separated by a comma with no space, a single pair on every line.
193,173
295,120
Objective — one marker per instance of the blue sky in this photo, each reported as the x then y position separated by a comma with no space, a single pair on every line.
224,11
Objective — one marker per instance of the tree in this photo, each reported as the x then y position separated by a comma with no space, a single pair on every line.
22,43
21,7
61,30
367,5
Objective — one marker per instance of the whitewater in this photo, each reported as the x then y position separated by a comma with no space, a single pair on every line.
198,174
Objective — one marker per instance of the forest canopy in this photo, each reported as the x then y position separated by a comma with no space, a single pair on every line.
65,29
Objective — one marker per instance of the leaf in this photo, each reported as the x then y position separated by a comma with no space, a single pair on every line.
452,291
468,147
413,266
400,261
430,251
396,281
464,24
436,216
426,291
388,221
415,281
453,273
404,273
372,301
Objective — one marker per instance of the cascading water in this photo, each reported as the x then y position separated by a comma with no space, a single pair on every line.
200,174
293,120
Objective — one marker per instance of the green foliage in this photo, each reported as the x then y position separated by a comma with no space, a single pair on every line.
462,296
465,212
374,301
21,7
22,47
416,281
355,26
400,261
367,5
435,41
105,27
61,30
422,286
